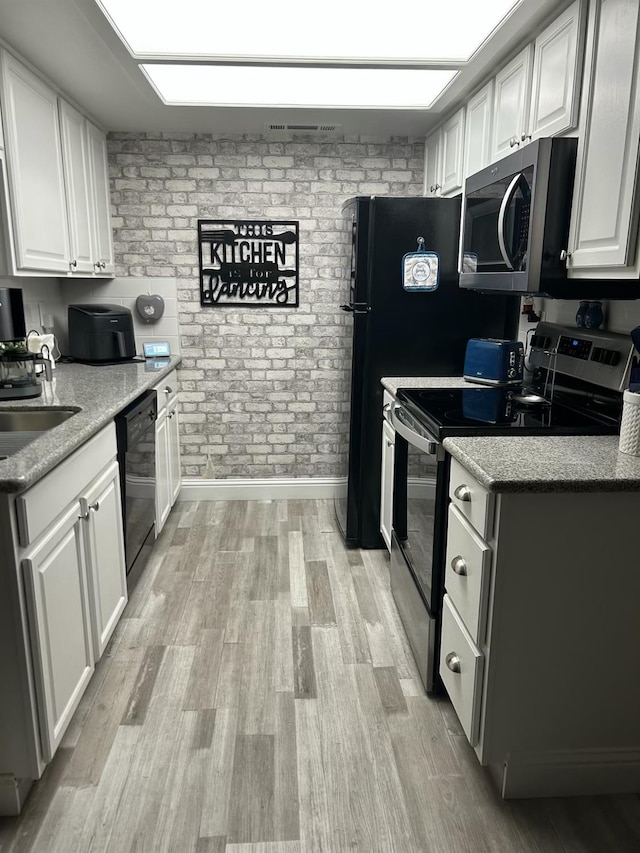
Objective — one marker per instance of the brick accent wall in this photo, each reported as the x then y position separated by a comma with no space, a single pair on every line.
265,391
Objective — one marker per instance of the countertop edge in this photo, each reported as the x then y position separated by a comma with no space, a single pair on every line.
542,485
20,484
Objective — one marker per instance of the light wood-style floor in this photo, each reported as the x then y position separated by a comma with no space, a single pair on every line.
259,697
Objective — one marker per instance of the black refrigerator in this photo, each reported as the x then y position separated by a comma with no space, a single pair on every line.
397,332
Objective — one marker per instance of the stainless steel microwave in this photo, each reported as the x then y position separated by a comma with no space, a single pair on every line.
515,221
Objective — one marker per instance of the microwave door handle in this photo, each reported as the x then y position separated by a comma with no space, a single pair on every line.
502,215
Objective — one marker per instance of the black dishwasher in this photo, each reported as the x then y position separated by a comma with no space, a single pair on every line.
136,433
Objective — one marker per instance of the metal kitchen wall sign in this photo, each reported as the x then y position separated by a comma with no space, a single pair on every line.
248,263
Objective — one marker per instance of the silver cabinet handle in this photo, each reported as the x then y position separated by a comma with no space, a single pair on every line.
168,389
459,566
453,662
463,493
94,507
99,265
513,142
525,137
564,255
389,443
73,264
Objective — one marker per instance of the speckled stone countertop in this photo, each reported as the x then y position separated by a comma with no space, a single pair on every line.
392,383
98,393
547,463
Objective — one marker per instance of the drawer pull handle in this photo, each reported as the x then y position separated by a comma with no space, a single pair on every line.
463,493
168,389
453,662
87,515
459,566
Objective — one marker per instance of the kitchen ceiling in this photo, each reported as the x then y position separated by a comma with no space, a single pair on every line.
73,43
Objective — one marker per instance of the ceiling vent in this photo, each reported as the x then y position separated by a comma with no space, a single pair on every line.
302,128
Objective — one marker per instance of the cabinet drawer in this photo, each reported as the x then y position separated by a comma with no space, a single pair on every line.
44,501
167,390
473,500
461,666
467,573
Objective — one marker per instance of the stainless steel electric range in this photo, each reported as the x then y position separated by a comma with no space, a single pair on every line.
574,385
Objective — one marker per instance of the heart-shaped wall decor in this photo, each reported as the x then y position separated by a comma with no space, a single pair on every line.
150,307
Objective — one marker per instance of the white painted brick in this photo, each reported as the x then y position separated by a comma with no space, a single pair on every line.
264,391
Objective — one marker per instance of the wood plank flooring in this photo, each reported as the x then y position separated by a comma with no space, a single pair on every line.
259,696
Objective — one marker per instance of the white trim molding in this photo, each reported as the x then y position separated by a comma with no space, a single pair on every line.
271,488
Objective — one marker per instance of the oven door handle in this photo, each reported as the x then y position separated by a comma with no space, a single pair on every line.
425,443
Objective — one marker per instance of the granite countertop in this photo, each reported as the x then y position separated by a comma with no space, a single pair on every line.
392,383
547,463
97,392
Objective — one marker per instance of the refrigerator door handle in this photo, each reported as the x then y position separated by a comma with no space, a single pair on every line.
356,308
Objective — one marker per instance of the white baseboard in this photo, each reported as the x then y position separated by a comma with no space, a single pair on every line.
276,488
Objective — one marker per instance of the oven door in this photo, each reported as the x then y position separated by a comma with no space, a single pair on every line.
418,541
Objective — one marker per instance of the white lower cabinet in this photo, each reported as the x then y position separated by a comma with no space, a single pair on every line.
386,482
168,471
163,487
527,645
60,625
107,572
65,577
173,435
461,670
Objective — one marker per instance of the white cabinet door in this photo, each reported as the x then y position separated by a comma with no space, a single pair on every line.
477,133
163,487
451,140
604,228
34,163
103,236
511,104
173,434
556,75
106,567
55,580
386,482
77,177
432,170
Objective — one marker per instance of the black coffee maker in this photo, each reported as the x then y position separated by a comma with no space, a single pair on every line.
18,379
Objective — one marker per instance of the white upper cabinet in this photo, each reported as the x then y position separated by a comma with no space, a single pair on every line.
511,104
58,181
103,237
556,75
34,160
432,168
75,152
477,133
451,142
604,227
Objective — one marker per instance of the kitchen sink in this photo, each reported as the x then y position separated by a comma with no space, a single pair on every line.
33,420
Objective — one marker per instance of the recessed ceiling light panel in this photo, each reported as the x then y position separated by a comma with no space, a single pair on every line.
274,86
333,30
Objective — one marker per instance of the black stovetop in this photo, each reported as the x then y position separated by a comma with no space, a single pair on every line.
481,410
